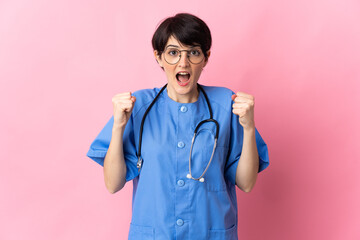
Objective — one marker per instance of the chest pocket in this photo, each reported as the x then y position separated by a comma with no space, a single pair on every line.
201,155
225,234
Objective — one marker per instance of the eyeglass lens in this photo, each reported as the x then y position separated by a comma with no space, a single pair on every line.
173,55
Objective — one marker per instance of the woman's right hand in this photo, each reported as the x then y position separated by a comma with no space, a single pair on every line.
123,104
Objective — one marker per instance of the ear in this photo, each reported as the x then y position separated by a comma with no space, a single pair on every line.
158,58
208,56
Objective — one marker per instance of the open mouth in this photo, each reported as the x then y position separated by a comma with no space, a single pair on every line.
183,78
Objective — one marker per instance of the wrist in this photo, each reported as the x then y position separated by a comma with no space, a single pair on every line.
249,129
118,128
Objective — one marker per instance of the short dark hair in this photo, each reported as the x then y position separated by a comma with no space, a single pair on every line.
186,28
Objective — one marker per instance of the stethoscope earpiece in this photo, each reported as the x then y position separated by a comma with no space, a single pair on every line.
190,177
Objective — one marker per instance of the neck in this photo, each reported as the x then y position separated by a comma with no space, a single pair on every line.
183,98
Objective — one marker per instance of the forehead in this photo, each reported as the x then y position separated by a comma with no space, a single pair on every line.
175,43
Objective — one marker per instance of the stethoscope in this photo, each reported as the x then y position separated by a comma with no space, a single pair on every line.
189,175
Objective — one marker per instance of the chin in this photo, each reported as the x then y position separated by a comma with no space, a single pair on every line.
185,89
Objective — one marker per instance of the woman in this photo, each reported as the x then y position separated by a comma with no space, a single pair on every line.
182,188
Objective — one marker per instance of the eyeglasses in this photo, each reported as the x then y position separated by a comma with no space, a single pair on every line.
173,55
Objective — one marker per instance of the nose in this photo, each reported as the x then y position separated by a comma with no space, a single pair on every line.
184,60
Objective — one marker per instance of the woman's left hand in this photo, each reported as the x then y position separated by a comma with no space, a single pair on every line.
244,107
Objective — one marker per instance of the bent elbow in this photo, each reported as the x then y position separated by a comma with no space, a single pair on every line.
112,189
247,190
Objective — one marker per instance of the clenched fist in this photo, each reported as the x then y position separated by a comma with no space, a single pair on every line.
244,107
123,104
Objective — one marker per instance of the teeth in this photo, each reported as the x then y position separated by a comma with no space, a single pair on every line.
182,73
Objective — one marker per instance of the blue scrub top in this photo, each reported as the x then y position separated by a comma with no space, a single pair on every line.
166,204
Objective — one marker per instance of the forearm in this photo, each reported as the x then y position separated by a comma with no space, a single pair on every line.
248,166
114,163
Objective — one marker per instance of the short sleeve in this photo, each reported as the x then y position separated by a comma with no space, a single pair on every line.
100,146
235,148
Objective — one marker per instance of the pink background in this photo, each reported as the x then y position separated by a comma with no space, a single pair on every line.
62,61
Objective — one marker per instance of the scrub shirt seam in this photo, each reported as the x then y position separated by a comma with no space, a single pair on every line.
96,153
218,103
140,108
147,103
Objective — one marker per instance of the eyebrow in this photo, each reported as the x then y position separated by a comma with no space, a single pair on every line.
176,46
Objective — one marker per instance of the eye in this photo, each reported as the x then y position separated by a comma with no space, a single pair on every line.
173,52
195,52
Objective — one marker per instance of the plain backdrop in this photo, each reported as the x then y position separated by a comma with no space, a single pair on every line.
61,62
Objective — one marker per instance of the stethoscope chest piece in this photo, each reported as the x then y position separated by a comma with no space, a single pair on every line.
139,163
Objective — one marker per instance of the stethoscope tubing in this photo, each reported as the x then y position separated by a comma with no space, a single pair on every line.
201,179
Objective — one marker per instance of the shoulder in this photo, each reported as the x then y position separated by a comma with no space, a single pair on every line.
144,97
219,95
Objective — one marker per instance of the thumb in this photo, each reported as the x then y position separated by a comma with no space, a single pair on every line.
133,99
233,97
